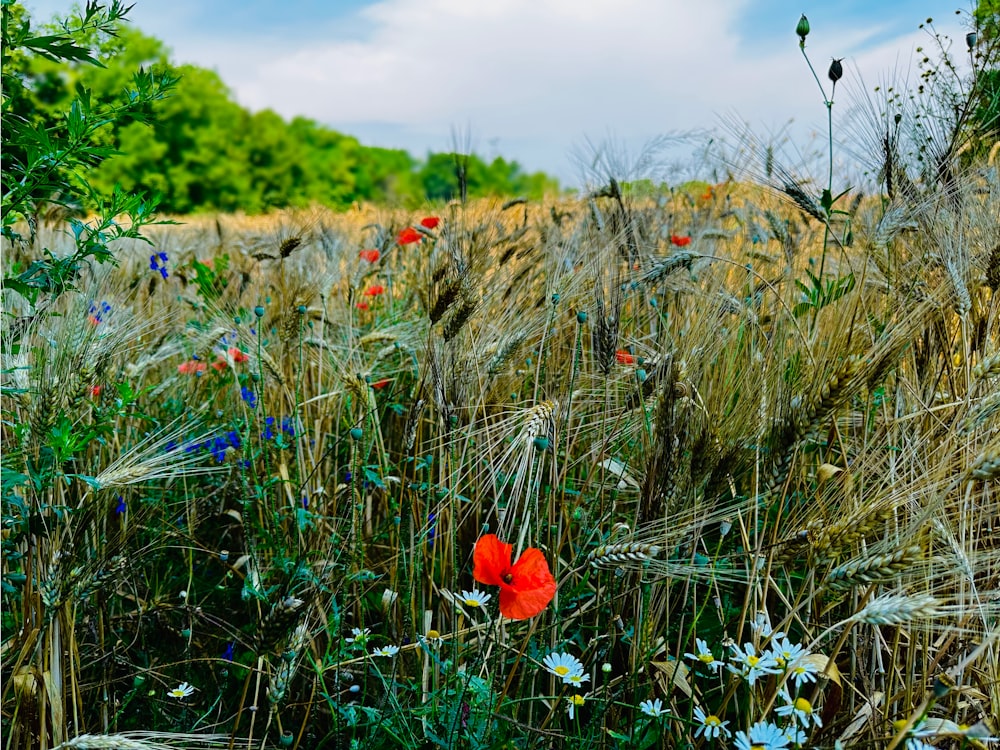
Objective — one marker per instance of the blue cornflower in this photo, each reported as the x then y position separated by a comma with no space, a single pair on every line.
268,433
432,529
288,426
121,507
249,396
219,446
230,651
234,438
158,262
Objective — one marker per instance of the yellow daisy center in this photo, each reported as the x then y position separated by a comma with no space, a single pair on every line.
562,670
752,660
801,704
706,658
713,721
578,700
471,602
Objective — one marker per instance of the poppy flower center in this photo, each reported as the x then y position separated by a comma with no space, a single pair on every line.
508,577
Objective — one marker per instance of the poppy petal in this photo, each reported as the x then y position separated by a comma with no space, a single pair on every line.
532,588
491,558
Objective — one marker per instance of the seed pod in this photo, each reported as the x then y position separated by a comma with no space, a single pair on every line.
970,39
836,70
802,29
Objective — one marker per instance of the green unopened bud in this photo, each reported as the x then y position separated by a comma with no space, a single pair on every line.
581,317
802,29
971,38
356,433
259,311
541,443
836,71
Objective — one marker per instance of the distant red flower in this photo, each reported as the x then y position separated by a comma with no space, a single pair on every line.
408,236
362,305
371,256
237,355
679,240
220,364
374,290
95,391
526,587
191,367
431,222
624,357
93,320
380,384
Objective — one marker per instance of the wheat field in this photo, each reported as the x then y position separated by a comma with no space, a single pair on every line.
246,469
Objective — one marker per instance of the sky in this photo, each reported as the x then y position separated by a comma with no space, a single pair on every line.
550,83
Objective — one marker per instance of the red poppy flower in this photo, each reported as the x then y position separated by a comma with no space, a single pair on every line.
362,305
191,367
408,236
95,391
374,290
219,365
237,355
680,241
93,320
624,357
526,587
431,222
380,384
371,256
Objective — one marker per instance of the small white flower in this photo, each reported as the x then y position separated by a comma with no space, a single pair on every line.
576,679
785,652
563,665
796,734
762,736
800,709
712,727
703,655
750,665
385,651
358,636
652,708
475,598
801,672
433,639
181,691
572,703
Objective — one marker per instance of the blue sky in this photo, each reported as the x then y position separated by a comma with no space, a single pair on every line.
538,80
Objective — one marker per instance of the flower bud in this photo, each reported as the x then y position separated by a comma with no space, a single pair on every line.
836,70
802,29
970,39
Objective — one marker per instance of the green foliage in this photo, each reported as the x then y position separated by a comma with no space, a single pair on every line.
50,143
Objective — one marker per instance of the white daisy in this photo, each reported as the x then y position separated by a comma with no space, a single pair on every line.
785,652
576,679
801,672
800,709
712,727
703,655
563,665
181,691
762,736
474,598
358,636
796,734
652,708
572,703
750,665
385,651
